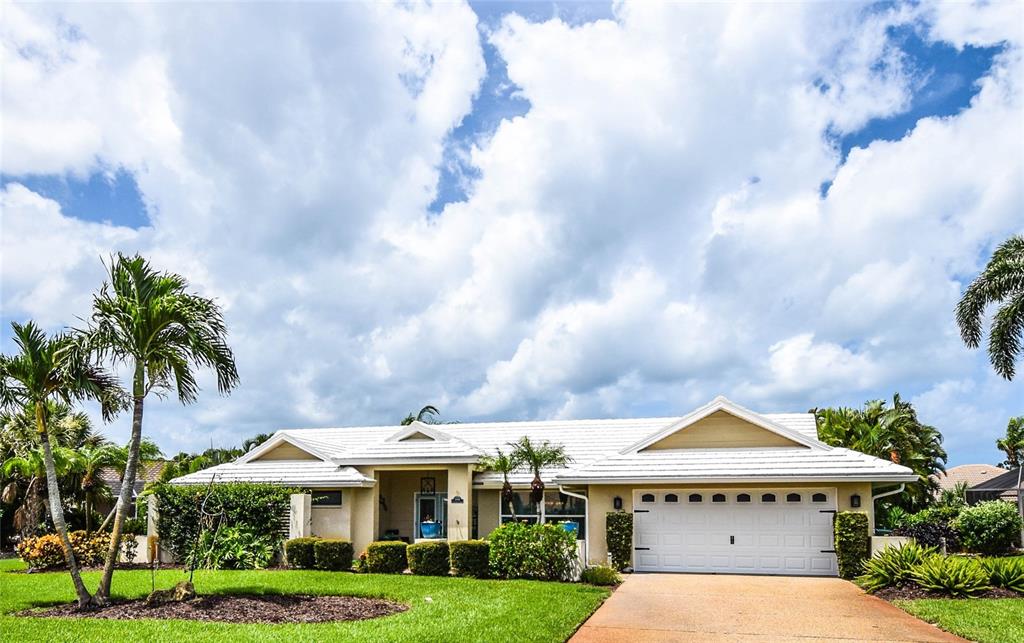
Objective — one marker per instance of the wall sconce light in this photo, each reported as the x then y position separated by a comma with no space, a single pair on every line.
457,500
617,503
855,500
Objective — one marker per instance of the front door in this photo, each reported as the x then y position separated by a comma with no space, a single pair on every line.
430,508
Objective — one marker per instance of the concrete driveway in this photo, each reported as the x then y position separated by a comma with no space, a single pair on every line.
697,607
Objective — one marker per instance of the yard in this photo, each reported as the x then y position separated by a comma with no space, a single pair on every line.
459,609
983,620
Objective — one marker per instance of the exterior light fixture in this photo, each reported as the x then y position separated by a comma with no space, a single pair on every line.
855,500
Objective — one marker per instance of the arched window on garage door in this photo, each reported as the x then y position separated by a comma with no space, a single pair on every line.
819,497
718,497
768,497
647,497
743,497
671,497
792,497
696,497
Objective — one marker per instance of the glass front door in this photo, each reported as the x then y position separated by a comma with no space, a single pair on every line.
430,515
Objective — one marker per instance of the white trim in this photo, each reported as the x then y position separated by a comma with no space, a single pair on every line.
276,440
831,477
419,427
387,460
721,403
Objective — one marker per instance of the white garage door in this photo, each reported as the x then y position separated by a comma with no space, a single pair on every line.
756,531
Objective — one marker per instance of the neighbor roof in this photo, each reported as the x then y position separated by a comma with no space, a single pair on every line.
972,474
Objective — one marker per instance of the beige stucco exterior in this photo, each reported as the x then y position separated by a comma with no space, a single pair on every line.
721,430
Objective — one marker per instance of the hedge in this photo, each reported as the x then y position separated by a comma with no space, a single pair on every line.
470,558
544,552
429,558
256,508
853,544
619,536
333,555
386,557
989,527
300,552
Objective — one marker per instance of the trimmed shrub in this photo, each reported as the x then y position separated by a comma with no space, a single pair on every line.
619,537
852,543
47,551
544,552
1005,572
386,557
932,527
893,566
255,508
470,558
332,555
429,559
953,575
300,554
989,527
600,575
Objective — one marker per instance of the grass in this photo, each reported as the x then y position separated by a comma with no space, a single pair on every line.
460,609
987,620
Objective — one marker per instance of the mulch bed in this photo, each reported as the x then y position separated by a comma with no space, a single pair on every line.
913,592
268,608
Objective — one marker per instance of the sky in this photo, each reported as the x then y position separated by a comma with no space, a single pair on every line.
527,210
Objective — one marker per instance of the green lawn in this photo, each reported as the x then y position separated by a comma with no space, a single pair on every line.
985,620
461,609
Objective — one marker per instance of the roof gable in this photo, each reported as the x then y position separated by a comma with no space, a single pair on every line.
420,431
723,424
282,446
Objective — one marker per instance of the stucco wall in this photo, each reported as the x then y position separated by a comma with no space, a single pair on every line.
333,522
399,490
602,497
487,511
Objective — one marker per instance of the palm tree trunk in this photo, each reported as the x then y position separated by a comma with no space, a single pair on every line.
127,485
57,511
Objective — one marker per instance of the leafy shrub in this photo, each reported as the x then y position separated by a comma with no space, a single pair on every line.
332,555
954,575
231,548
932,527
470,558
47,551
989,527
601,575
893,566
130,548
429,559
359,564
300,552
386,557
852,542
619,536
545,552
1005,572
90,549
135,526
255,508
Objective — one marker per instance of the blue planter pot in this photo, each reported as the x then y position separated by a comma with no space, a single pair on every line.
430,530
570,526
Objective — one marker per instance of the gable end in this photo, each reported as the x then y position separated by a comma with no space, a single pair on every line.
722,430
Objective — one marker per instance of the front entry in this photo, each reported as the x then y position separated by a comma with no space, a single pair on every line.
755,531
430,515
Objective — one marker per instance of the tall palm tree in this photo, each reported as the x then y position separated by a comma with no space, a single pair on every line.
503,463
68,427
90,461
148,322
46,369
1002,283
149,453
537,457
28,477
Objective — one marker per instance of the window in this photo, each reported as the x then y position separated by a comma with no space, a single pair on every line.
557,507
671,497
522,510
768,497
743,497
647,497
819,497
718,497
326,499
696,497
793,497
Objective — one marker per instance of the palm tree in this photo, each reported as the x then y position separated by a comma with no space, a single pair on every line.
255,441
1013,444
149,452
28,474
1001,282
90,461
147,321
504,464
428,415
68,427
537,457
52,369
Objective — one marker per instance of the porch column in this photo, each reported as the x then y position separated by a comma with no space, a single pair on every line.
460,486
300,515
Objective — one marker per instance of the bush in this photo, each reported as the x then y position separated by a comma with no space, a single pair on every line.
386,557
47,551
300,553
470,558
954,575
893,566
852,542
545,552
332,555
130,546
90,549
601,575
989,527
429,559
619,536
1005,572
932,527
134,526
231,548
254,508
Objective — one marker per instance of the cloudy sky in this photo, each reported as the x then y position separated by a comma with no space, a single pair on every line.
527,210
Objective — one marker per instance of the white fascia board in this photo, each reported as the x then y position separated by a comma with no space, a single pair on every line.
324,484
867,477
722,403
419,460
277,439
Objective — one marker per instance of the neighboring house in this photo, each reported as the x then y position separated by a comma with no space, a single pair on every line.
148,472
970,474
722,489
999,487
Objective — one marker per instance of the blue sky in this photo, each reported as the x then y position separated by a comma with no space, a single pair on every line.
576,210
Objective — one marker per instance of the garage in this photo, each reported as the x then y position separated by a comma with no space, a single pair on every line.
735,531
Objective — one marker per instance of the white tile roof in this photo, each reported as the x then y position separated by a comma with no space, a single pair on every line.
300,473
595,447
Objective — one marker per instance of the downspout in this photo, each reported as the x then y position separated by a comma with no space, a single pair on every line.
899,489
586,511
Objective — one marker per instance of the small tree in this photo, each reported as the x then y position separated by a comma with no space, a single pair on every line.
1013,444
538,457
504,464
